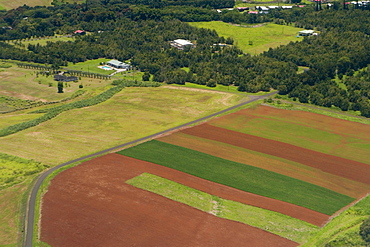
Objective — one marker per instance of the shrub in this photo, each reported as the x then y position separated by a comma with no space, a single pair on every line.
365,230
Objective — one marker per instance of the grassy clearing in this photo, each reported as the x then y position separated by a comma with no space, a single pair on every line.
13,203
282,225
6,120
25,84
91,66
240,176
264,37
43,41
131,114
14,170
343,229
12,4
348,140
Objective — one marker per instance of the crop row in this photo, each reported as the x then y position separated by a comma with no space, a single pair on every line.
240,176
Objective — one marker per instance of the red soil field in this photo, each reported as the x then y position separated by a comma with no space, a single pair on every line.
348,137
292,169
91,205
309,119
350,169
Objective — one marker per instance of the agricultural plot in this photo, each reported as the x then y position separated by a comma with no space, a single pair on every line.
240,176
253,40
270,221
12,4
324,134
105,212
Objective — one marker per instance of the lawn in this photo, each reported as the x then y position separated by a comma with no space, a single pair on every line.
280,224
91,66
44,40
240,176
263,37
131,114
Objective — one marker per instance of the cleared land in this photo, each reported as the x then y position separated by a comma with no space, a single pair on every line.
317,132
272,163
279,224
263,37
89,199
129,115
239,176
12,4
26,84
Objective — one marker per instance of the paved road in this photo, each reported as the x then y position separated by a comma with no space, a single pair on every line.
29,231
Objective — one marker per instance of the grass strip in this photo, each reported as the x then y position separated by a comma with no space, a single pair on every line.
240,176
277,223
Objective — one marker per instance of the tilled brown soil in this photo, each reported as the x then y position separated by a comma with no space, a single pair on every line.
91,205
350,169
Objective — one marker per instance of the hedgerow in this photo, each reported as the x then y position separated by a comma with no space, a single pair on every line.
55,111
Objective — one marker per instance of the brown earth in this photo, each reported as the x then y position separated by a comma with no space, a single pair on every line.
292,169
91,205
350,169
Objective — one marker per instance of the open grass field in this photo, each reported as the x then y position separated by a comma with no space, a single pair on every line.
12,4
240,176
279,224
129,115
43,41
25,84
308,130
263,37
90,66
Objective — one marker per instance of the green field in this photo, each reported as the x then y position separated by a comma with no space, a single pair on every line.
260,181
44,40
282,225
263,37
12,4
90,66
131,114
26,84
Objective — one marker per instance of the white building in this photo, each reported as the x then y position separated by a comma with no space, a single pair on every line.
306,33
118,64
181,43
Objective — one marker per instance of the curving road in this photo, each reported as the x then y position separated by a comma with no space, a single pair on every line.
30,216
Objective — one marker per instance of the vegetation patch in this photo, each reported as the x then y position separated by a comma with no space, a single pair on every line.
253,40
344,229
280,224
240,176
13,169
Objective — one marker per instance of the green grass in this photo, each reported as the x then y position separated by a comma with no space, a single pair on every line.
43,41
131,114
264,37
343,229
14,170
282,225
25,84
90,66
12,4
240,176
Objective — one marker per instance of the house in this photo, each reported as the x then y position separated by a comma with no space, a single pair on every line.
118,64
181,44
79,32
306,33
241,9
65,78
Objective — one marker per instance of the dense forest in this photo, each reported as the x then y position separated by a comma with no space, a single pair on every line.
141,31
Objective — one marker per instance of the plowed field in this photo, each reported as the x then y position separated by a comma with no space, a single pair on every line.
350,169
90,205
293,169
